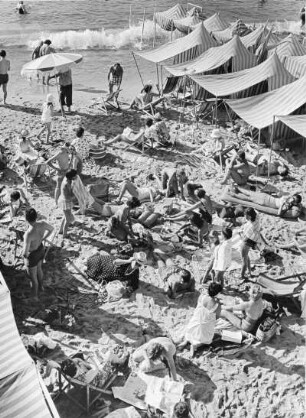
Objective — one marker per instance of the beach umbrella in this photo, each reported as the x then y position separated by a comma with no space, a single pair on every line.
51,63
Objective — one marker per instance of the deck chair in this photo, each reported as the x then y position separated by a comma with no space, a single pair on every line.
139,140
111,100
150,107
170,85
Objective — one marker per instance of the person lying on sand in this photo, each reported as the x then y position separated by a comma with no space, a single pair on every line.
238,169
177,280
282,204
148,193
128,135
201,327
33,249
222,258
252,310
120,224
63,160
155,355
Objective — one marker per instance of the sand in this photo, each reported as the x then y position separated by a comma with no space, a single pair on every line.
258,381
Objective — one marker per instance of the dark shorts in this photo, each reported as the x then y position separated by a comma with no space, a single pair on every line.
66,95
35,257
4,78
250,243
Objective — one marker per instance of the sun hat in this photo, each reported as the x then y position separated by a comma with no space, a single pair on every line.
139,258
50,98
216,133
24,133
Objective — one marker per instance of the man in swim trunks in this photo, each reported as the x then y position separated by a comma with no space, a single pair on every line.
63,160
115,75
33,249
5,66
238,169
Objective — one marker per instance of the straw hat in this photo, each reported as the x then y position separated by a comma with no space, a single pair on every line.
139,258
50,98
24,133
216,133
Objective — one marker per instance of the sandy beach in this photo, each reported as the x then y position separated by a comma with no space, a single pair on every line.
259,380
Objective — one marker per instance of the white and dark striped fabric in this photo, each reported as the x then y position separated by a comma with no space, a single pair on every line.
166,19
295,122
187,24
21,395
296,66
189,47
254,39
258,111
215,22
289,46
271,70
213,58
237,28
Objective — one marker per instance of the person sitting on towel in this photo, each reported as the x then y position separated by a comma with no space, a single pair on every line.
282,204
120,224
238,169
155,355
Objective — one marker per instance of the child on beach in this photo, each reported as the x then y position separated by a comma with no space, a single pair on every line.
46,117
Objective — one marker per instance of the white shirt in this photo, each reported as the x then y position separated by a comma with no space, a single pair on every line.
47,110
222,256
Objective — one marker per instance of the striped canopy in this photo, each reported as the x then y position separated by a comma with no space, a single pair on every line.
237,28
258,111
290,46
215,22
295,122
221,85
296,65
166,19
187,24
215,57
21,393
199,39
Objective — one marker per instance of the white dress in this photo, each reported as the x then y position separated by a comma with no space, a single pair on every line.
201,327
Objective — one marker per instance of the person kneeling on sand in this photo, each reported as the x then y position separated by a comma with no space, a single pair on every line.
238,169
120,224
252,310
33,249
155,355
201,327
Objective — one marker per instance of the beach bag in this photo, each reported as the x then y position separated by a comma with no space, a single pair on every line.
267,328
100,189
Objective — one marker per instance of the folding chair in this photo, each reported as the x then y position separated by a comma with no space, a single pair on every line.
111,100
151,106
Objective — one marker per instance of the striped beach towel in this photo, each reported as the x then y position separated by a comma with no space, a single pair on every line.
82,194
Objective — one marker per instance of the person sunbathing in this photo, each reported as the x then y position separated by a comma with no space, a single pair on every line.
148,193
238,169
156,354
128,135
252,310
144,98
264,167
201,327
282,204
177,280
195,230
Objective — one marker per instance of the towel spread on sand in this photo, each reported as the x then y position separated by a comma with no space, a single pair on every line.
82,194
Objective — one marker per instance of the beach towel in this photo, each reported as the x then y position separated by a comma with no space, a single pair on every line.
82,194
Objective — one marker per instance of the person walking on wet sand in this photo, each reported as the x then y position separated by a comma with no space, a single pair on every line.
33,249
115,75
5,66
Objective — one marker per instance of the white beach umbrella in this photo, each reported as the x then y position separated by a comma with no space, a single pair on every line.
50,63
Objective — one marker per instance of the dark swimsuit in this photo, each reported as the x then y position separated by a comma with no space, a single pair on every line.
35,256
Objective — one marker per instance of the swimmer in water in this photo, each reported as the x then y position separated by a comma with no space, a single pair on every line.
21,9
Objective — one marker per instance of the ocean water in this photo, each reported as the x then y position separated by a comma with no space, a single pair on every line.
106,31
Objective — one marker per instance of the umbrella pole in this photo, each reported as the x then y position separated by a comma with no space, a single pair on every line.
271,145
59,97
138,69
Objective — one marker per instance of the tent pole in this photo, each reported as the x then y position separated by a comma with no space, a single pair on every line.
216,115
157,74
59,97
143,23
258,145
138,69
161,80
271,145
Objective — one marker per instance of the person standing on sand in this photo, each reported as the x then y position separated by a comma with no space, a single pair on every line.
66,202
65,83
5,66
33,249
63,160
46,49
36,52
114,77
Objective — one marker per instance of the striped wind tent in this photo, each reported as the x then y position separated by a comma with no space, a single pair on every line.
184,49
259,111
166,19
255,38
233,53
290,46
215,22
187,24
270,74
237,28
296,65
295,122
22,392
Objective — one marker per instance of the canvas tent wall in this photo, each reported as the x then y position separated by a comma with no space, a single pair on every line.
271,75
215,22
260,111
187,24
166,19
22,393
184,49
215,57
290,46
237,28
296,65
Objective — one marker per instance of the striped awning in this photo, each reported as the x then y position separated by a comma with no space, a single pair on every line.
258,111
166,19
289,46
215,22
296,65
295,122
237,28
21,394
215,57
187,24
221,85
199,38
254,38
